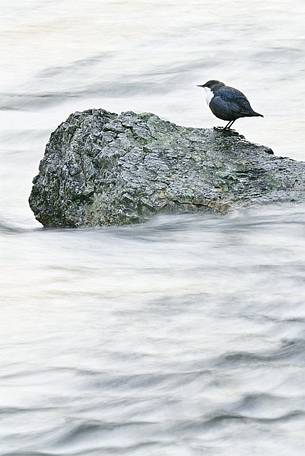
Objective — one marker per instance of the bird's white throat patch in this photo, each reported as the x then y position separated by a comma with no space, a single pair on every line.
208,94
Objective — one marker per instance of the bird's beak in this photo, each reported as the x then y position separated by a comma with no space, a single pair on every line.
200,86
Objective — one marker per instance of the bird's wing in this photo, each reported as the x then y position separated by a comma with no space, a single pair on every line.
238,100
225,109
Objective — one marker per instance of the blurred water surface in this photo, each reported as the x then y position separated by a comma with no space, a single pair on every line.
184,336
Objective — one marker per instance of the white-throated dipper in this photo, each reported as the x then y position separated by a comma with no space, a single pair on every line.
227,103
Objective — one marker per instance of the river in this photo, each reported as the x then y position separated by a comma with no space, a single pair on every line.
183,336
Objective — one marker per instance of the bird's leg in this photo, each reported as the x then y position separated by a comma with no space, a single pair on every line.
229,125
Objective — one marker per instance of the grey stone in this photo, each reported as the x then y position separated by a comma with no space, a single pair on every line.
101,168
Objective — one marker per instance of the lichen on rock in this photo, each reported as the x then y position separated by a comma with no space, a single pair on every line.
101,168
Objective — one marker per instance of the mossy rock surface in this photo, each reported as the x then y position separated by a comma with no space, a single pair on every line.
101,168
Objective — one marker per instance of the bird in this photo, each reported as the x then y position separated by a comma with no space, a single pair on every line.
227,103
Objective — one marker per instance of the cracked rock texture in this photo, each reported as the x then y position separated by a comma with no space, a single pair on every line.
101,168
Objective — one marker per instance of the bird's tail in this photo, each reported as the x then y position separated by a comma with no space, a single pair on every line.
256,114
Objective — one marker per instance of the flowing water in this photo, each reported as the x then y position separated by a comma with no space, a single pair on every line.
183,336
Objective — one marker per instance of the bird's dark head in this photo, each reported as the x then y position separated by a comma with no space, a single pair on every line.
212,85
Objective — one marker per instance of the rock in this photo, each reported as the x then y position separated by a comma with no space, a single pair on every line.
101,168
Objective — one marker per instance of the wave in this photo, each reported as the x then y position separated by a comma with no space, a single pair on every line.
287,351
